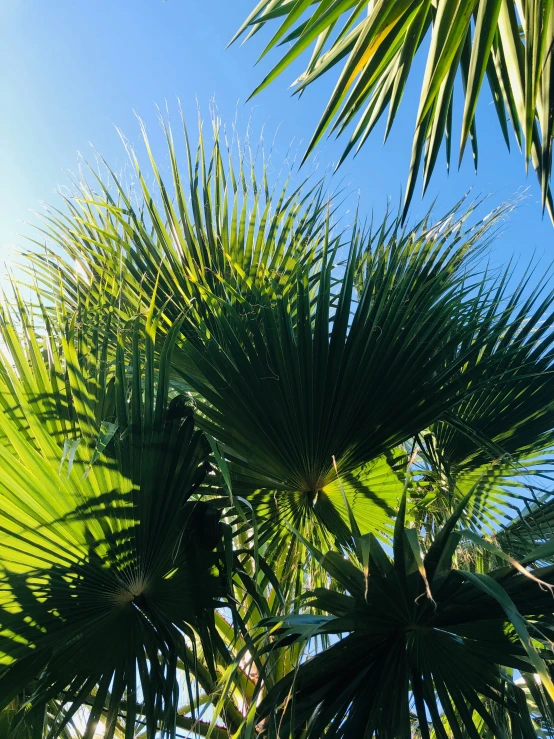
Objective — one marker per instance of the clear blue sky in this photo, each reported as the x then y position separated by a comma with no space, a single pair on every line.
72,70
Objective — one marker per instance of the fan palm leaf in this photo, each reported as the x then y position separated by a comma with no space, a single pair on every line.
510,443
416,641
110,571
531,527
499,440
309,405
220,225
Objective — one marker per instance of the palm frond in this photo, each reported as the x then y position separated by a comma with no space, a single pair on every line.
502,440
373,47
220,225
498,441
418,644
110,570
310,404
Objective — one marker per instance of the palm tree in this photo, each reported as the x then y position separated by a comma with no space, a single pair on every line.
376,42
240,439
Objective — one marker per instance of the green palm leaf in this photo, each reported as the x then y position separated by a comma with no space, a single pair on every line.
415,646
110,571
334,375
220,226
287,386
376,44
498,441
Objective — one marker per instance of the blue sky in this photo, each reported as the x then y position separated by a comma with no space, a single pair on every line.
72,70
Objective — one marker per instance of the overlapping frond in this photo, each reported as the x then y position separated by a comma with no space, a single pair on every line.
333,373
499,440
533,525
110,570
305,400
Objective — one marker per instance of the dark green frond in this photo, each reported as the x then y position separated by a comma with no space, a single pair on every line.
287,385
416,651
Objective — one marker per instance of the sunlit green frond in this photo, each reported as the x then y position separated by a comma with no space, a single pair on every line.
219,224
373,46
110,571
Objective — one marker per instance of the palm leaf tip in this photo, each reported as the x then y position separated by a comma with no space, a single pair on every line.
217,226
508,41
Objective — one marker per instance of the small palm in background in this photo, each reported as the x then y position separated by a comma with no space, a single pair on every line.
264,472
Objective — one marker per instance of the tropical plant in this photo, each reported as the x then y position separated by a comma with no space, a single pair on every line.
99,465
221,227
424,646
376,43
212,384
